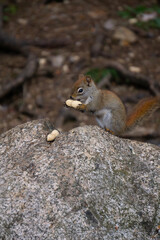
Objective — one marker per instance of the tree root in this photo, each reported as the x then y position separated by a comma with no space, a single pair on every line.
135,79
27,73
10,44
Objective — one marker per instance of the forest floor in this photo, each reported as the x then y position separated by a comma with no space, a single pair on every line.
84,23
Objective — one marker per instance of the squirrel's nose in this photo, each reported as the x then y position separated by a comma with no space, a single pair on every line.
71,97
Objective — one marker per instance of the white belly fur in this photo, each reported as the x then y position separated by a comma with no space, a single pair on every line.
104,118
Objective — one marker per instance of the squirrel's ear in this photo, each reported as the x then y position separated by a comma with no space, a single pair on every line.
81,76
88,80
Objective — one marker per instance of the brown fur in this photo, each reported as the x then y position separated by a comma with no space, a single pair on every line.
100,101
142,110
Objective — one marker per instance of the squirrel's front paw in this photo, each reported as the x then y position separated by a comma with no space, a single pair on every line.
73,103
81,107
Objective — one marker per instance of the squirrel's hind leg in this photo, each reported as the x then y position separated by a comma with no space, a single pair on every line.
109,131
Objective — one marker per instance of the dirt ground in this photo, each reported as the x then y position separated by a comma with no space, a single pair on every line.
44,95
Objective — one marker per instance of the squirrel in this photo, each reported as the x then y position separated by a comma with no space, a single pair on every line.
107,107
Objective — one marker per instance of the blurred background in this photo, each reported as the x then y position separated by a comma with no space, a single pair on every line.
45,45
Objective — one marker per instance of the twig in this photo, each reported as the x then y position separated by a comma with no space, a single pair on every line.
52,43
9,43
135,79
27,73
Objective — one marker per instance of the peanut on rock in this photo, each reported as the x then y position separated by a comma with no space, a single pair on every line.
52,135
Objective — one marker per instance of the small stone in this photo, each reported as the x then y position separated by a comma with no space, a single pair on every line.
42,62
109,24
78,43
30,107
96,14
45,53
57,61
65,68
22,21
158,38
74,58
145,17
133,20
134,69
131,54
125,34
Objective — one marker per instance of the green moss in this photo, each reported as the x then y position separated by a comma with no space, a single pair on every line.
98,74
8,11
155,23
130,12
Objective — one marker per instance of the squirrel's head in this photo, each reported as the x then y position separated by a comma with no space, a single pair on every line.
83,88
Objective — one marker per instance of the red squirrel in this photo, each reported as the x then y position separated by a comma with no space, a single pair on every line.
107,107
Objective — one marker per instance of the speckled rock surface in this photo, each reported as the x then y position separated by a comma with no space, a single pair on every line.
87,184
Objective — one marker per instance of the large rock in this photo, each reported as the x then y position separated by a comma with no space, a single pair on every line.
87,185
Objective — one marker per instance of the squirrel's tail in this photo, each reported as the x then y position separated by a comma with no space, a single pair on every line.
142,110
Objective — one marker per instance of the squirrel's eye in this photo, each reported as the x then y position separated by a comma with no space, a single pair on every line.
80,90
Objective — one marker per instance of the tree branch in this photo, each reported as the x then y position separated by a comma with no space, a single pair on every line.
134,78
27,73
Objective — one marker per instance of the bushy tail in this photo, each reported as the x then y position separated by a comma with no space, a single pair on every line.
142,110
